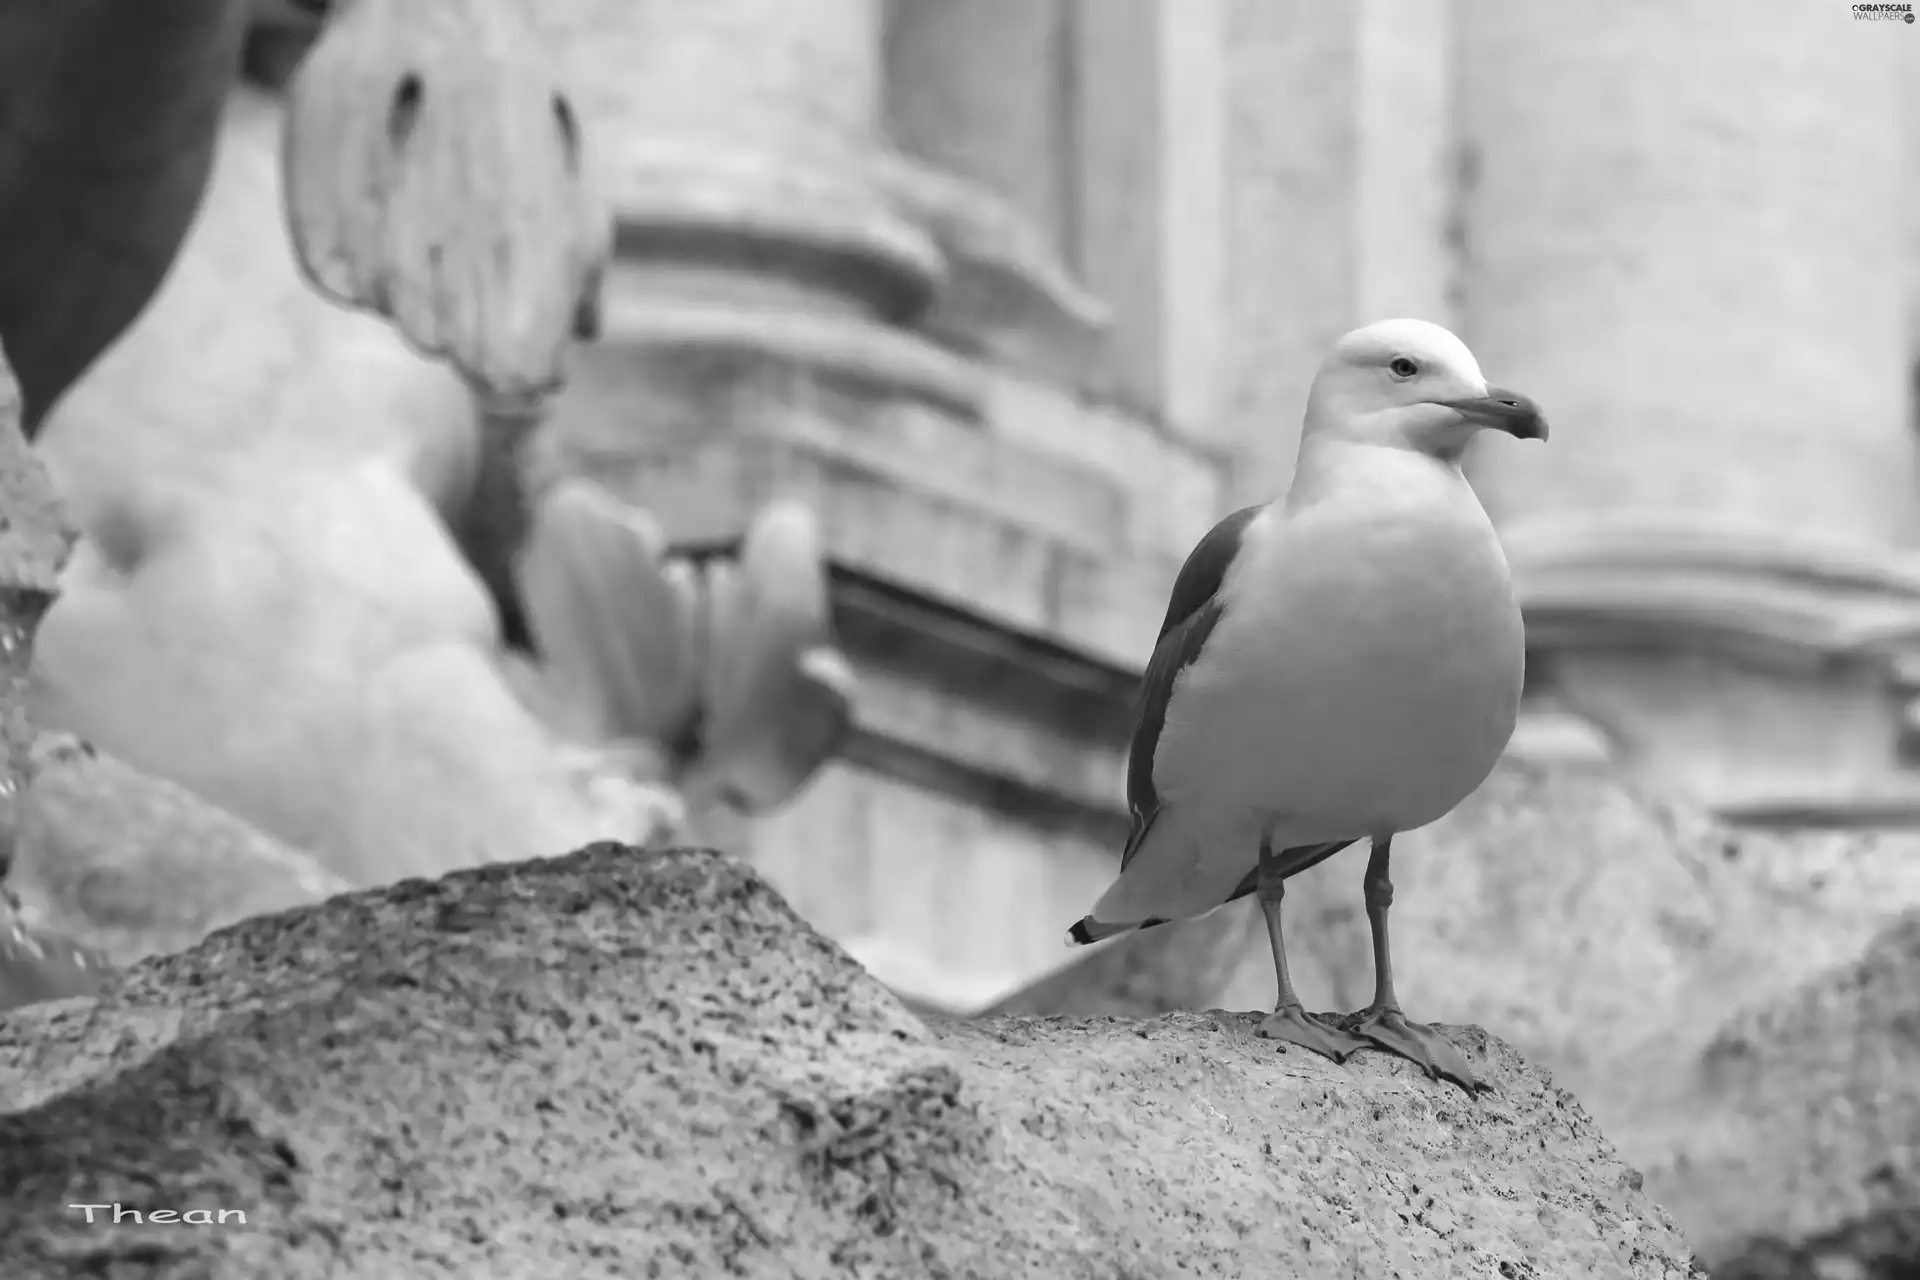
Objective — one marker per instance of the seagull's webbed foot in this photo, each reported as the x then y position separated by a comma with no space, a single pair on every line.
1388,1028
1381,1022
1295,1025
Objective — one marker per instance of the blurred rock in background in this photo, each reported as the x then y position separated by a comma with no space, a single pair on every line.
1791,1145
35,538
134,866
36,963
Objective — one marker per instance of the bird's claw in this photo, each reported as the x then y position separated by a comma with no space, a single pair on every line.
1295,1025
1420,1044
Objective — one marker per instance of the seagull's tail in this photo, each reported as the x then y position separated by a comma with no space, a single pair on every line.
1293,861
1087,929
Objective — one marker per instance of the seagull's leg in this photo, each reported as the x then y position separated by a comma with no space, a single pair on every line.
1382,1022
1290,1021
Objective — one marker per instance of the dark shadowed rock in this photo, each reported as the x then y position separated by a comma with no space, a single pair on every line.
628,1064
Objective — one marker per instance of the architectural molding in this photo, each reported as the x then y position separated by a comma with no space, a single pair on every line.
852,352
951,270
763,216
1008,295
35,538
1777,672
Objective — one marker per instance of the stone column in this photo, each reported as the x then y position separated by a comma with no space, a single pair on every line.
1682,234
1149,149
1336,146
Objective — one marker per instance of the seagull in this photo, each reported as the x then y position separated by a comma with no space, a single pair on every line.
1341,664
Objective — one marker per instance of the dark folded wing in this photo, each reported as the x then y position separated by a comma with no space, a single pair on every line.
1199,578
1193,611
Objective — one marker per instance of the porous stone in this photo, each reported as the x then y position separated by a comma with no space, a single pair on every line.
630,1063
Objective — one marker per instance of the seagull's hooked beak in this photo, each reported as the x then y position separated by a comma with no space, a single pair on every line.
1503,410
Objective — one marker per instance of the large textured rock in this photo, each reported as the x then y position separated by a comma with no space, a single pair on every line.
622,1063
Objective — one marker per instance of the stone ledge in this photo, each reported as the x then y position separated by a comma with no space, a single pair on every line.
998,748
644,407
1019,567
677,378
978,711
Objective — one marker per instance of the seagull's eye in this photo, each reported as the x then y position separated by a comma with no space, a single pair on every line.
1403,368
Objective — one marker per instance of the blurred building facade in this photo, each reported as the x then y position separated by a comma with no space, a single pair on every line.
1023,295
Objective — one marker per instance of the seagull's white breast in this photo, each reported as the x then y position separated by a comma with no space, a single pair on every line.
1366,673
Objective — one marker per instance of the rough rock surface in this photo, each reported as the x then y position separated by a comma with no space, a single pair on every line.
633,1064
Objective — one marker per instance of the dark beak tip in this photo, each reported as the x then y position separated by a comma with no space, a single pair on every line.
1524,421
1530,426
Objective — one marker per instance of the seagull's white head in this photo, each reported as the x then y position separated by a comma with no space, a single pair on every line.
1412,385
